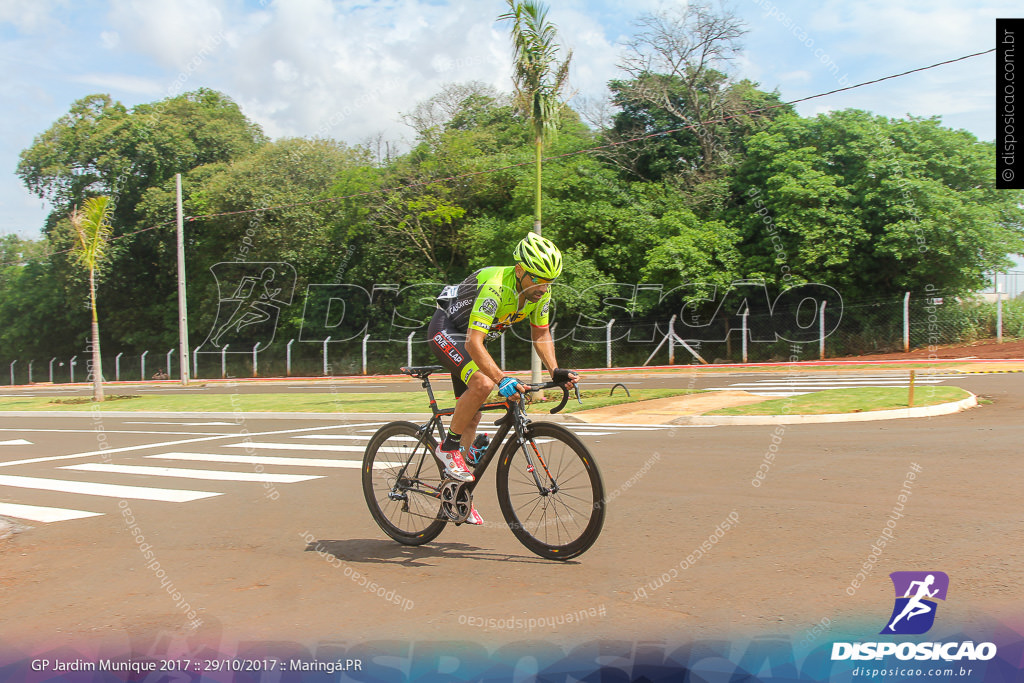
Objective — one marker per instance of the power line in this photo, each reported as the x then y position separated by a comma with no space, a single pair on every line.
589,150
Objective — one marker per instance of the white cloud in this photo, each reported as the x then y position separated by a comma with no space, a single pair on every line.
117,84
348,69
31,16
169,33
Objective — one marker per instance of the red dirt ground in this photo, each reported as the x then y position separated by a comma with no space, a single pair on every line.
986,348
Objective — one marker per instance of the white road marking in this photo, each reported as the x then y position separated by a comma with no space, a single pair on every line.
212,475
114,431
36,513
184,424
270,460
314,447
164,444
109,490
335,387
16,442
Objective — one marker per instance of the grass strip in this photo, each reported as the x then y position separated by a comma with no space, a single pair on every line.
341,402
858,400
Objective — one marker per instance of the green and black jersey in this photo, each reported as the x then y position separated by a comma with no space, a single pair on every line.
488,301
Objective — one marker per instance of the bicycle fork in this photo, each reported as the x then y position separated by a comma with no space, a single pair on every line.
532,468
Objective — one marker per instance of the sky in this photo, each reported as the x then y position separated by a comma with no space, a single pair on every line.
348,69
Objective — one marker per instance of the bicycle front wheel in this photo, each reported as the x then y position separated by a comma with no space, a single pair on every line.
402,483
551,495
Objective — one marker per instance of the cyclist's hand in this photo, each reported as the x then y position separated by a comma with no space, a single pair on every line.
509,387
568,378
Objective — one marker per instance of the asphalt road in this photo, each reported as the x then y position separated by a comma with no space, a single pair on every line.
237,559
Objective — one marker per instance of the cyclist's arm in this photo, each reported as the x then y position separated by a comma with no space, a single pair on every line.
480,355
545,345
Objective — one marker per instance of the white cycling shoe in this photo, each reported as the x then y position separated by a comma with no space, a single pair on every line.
454,465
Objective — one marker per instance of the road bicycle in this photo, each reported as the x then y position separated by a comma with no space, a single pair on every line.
549,488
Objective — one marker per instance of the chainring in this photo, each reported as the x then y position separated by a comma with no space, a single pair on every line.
456,501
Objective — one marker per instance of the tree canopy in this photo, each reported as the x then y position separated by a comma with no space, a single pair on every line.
868,205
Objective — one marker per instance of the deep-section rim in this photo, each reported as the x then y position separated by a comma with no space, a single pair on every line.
578,502
430,529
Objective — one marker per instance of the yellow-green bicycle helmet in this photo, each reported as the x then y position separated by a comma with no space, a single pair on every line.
539,256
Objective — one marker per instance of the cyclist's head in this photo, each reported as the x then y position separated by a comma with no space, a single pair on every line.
539,256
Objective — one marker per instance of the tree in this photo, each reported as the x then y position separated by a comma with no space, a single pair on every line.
677,64
93,230
538,78
874,207
538,82
101,147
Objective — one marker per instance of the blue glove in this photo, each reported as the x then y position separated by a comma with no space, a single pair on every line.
507,386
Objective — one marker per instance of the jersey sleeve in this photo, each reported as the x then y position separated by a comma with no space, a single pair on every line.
485,306
539,315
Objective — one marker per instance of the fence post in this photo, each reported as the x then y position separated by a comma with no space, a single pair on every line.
30,370
502,352
12,371
224,361
169,354
672,340
608,342
288,359
365,339
143,364
255,373
821,332
906,323
999,312
408,342
744,333
51,368
117,367
195,363
74,361
325,355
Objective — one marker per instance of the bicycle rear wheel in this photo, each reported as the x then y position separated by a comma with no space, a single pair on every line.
562,516
401,483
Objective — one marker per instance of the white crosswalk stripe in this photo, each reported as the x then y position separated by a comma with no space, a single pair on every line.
210,475
268,460
36,513
107,490
338,445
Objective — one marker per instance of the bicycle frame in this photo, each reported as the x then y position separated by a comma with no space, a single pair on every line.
514,415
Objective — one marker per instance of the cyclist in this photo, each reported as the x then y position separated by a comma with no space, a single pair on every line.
480,309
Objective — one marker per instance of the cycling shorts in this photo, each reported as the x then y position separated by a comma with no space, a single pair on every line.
449,345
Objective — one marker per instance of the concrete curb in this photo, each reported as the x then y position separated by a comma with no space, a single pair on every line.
897,414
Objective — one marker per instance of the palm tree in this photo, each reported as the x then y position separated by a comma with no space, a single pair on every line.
537,77
92,231
538,80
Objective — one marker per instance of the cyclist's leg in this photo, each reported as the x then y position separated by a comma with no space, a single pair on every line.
449,347
467,410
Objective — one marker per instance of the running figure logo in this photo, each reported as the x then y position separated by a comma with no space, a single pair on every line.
251,296
916,595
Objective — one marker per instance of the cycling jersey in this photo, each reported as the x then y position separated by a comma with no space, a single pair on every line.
488,301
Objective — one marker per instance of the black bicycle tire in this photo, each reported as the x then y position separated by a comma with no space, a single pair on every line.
379,516
593,529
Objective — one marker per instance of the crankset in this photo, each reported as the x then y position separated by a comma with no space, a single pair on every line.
456,501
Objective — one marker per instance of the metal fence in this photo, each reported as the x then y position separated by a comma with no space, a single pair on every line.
799,333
